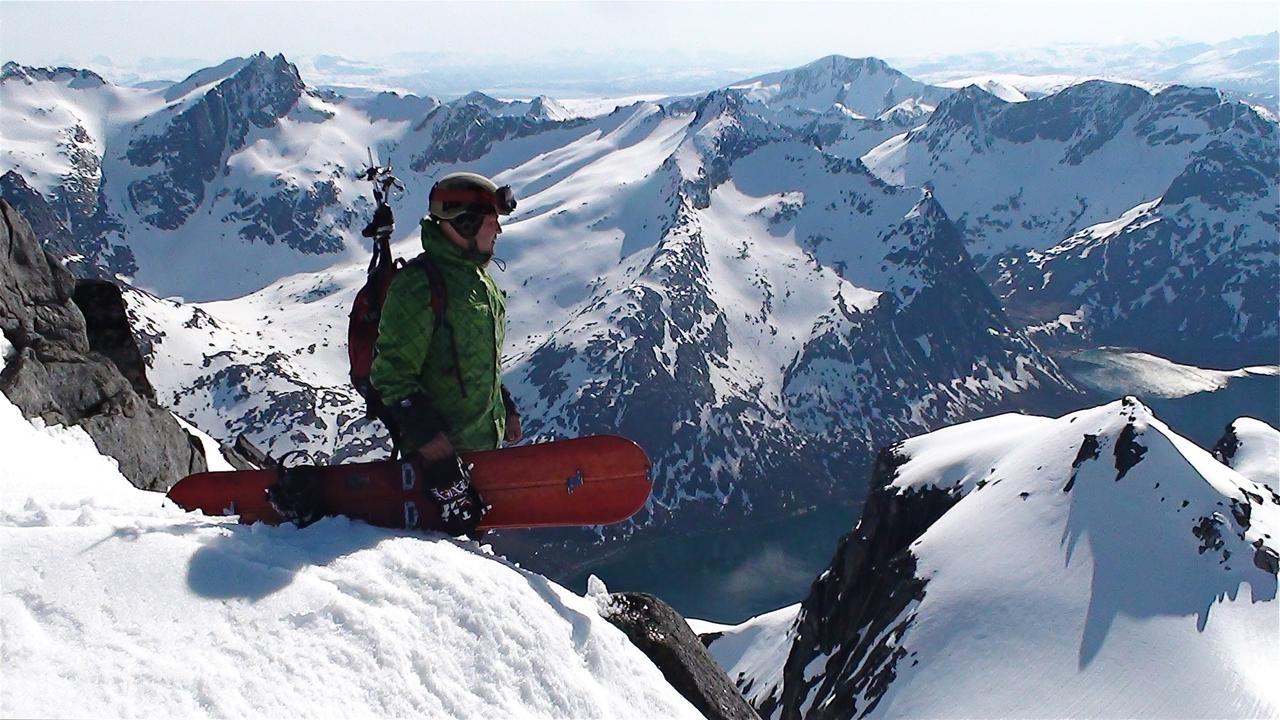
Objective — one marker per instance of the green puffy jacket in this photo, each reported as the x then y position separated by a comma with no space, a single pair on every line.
414,369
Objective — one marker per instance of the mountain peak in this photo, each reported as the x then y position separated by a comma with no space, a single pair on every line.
1127,536
258,69
475,97
846,67
76,77
867,86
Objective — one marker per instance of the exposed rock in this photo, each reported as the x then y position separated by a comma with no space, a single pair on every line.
855,611
60,376
46,225
1128,451
660,632
108,329
1227,446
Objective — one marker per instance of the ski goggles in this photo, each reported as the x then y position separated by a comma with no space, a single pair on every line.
503,199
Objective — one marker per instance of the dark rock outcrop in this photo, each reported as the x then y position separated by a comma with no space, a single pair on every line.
660,632
855,611
64,369
107,326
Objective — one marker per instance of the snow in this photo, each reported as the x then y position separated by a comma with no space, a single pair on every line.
1118,371
1032,193
756,648
1258,457
1017,87
212,451
1089,602
1061,585
117,604
590,107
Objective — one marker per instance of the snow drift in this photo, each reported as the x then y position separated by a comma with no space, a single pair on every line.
115,603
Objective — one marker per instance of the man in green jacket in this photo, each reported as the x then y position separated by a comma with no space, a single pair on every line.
440,379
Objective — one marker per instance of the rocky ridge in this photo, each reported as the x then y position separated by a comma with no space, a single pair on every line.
67,371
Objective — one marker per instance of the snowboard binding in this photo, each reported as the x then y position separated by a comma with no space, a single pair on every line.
296,491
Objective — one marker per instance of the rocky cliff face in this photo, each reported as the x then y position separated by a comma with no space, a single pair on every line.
64,369
855,609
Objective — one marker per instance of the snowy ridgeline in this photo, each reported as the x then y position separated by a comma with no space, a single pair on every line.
115,603
1094,565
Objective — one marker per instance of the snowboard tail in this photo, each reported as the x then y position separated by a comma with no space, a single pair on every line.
596,480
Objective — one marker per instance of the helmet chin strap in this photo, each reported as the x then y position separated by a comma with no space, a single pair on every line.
472,252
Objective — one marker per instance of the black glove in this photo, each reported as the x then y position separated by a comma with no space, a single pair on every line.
383,222
448,484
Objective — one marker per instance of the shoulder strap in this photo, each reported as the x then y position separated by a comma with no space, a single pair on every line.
439,299
439,304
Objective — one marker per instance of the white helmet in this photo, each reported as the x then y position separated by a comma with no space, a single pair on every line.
460,192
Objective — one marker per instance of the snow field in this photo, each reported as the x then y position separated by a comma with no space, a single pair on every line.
757,648
1087,602
113,602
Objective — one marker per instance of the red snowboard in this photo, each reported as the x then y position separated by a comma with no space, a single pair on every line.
593,480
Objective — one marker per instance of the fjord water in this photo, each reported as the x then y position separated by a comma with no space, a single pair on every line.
733,575
730,576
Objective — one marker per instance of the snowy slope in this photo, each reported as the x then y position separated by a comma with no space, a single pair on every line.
115,603
1252,448
753,653
1091,565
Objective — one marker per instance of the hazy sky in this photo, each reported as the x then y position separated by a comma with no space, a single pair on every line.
715,34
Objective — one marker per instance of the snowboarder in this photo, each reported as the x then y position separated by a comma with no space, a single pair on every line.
437,370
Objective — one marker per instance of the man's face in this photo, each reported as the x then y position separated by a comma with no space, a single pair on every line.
487,235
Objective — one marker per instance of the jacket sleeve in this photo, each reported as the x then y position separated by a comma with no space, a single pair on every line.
404,337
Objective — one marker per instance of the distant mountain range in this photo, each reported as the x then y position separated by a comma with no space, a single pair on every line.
1247,67
761,283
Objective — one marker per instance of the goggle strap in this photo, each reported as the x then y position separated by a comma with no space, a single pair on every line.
469,196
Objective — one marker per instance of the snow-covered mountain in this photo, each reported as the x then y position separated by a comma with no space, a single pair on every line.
1248,67
1251,448
1095,564
1194,274
716,276
115,602
846,106
1025,175
1109,215
734,293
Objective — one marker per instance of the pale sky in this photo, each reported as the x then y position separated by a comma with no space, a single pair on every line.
38,33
